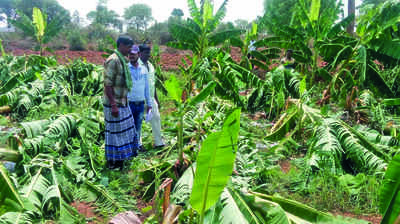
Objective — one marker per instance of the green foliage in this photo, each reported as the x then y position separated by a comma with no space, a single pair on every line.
174,90
389,206
177,12
105,17
76,41
239,207
9,197
38,26
8,8
3,53
138,15
197,34
50,7
379,37
278,12
215,164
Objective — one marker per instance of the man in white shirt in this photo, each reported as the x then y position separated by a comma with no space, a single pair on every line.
140,91
155,117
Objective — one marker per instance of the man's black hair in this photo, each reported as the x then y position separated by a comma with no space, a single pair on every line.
144,47
125,40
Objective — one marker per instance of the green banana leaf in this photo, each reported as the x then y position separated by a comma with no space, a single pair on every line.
299,211
314,10
203,94
39,21
9,155
236,207
389,193
215,164
174,90
10,200
283,125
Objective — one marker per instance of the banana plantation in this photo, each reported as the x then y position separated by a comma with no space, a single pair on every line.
248,140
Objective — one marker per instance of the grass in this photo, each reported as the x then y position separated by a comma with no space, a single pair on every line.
324,191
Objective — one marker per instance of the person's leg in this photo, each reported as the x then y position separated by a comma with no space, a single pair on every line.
137,112
156,125
138,116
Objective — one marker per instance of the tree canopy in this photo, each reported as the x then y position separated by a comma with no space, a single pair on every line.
177,12
138,15
278,12
103,16
7,7
51,8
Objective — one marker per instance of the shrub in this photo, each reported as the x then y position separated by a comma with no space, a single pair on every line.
76,41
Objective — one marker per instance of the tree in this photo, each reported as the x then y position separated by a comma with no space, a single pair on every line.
225,26
373,2
51,8
241,24
159,33
138,15
351,10
105,17
76,19
7,7
278,13
177,13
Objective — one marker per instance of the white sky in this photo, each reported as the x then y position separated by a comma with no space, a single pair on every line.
161,9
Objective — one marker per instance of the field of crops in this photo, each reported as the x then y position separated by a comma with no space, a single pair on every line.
248,139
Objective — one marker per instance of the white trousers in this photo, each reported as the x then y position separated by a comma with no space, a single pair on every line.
156,124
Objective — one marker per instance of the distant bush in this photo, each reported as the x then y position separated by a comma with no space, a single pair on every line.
76,41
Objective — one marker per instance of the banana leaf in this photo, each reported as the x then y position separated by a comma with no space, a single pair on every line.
10,200
389,204
283,125
215,164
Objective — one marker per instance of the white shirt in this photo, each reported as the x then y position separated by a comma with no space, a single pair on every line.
140,89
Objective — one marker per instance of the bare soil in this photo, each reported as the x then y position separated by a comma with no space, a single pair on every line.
170,58
374,219
88,211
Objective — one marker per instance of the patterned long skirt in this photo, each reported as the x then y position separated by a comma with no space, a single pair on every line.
121,142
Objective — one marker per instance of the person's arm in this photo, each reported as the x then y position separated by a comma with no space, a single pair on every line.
156,97
109,69
147,92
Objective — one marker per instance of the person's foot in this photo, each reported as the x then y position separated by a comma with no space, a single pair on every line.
159,146
112,165
142,149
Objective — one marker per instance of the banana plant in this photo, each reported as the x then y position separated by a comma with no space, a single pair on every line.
197,33
9,197
40,195
184,102
215,164
390,193
38,27
3,53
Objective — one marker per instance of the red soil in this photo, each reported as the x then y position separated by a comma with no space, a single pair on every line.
87,210
170,58
374,219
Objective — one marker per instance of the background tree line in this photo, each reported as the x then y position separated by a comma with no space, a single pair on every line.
92,31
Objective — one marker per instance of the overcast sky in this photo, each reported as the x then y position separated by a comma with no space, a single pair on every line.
161,9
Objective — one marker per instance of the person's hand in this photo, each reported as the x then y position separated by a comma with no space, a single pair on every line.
114,110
